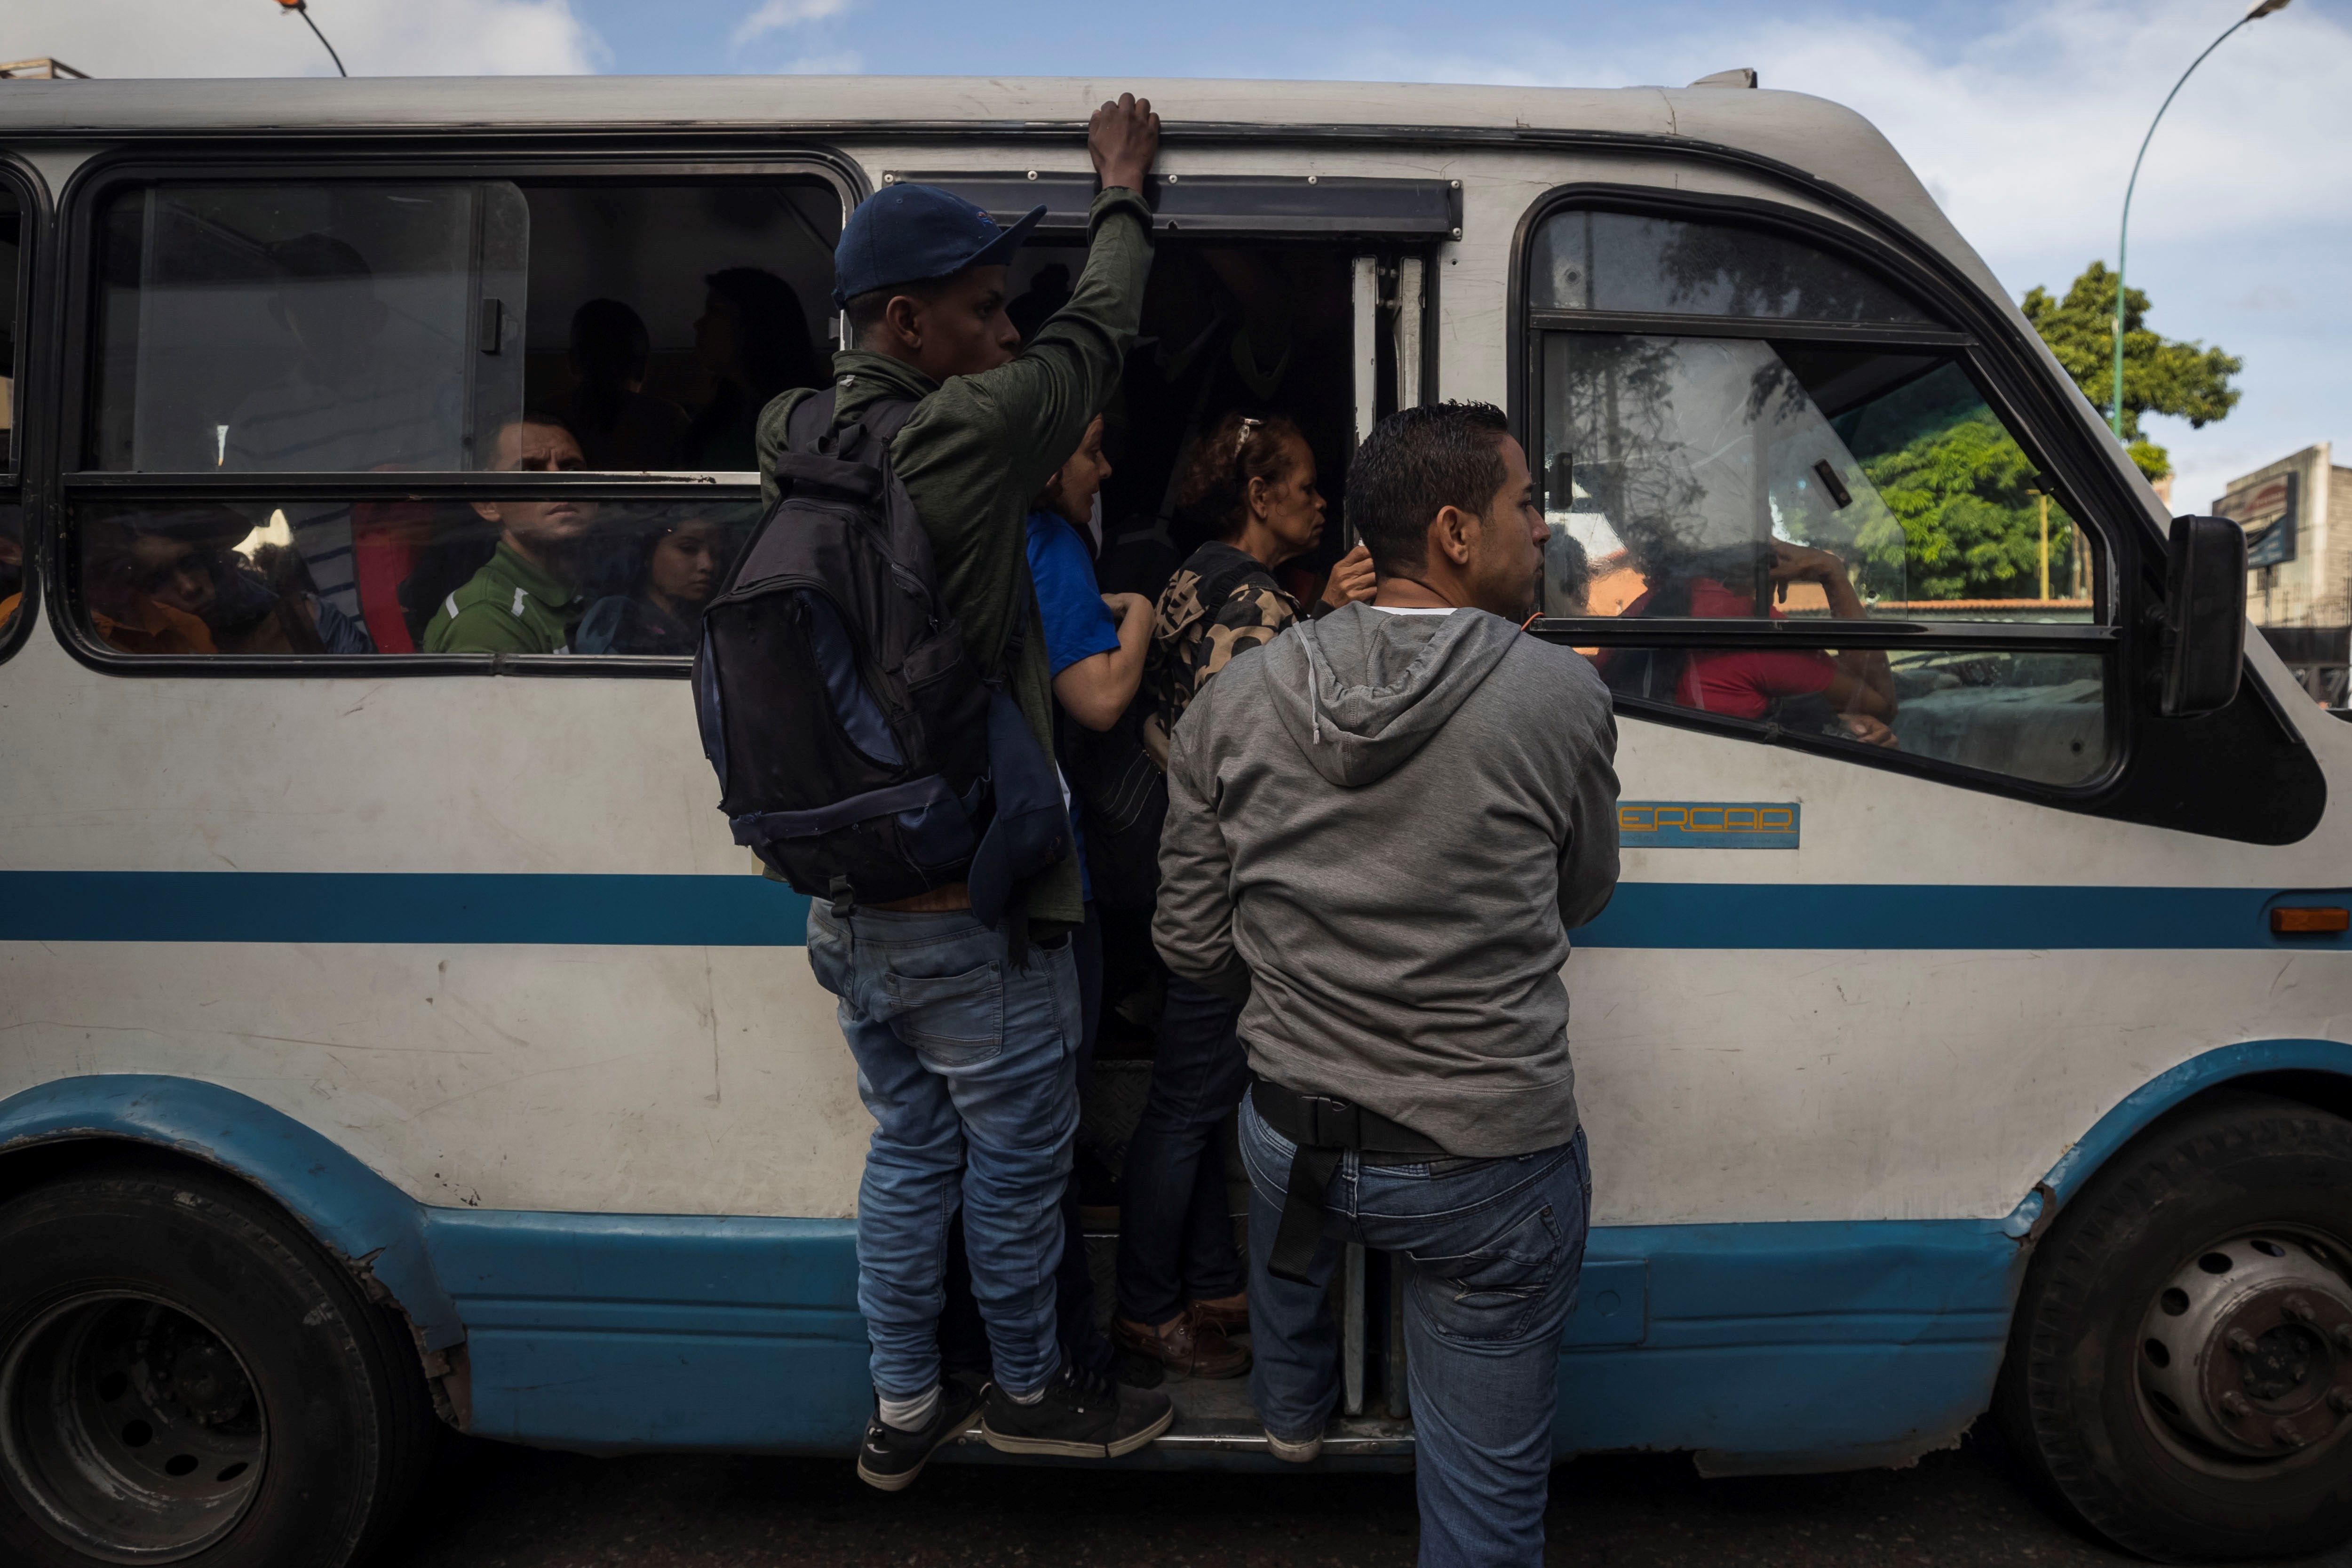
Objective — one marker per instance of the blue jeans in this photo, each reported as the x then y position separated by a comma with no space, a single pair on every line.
963,1337
969,1068
1490,1252
1175,1231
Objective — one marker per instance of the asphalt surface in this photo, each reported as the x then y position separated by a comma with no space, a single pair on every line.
490,1506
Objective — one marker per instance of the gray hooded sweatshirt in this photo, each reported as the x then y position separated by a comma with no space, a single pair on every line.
1384,826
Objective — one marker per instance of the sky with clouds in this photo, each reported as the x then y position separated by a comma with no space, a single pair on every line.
2022,117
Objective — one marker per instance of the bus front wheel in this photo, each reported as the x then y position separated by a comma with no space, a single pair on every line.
187,1378
2179,1370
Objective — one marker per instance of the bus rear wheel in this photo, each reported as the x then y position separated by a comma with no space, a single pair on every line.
187,1378
2179,1370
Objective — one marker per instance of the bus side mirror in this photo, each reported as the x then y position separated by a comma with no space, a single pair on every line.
2204,616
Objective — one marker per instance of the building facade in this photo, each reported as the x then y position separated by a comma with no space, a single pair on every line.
2297,514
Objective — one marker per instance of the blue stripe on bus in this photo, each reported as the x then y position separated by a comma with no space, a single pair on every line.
445,909
1792,1345
1787,1346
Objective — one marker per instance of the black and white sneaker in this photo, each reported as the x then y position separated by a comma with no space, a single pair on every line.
1083,1416
891,1459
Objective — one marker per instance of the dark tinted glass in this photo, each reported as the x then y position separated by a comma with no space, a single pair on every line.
1619,261
12,565
12,253
309,328
664,317
2036,716
558,575
348,326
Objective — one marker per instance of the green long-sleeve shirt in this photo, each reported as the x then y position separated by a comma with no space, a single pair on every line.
979,448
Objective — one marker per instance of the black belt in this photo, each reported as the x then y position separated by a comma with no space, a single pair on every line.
1324,1127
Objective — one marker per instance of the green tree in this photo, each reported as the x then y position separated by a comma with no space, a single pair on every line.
1967,522
2161,376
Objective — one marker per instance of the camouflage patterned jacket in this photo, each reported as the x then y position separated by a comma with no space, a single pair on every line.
1220,603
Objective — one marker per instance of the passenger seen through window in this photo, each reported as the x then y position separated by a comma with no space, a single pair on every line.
677,571
1853,689
527,598
196,577
619,425
753,342
12,565
124,573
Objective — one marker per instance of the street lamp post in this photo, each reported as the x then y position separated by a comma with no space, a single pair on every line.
2115,394
301,8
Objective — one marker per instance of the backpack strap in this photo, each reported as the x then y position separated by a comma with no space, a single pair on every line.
1219,585
888,418
813,428
811,422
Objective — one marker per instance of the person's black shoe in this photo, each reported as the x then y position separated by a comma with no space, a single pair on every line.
1083,1416
891,1459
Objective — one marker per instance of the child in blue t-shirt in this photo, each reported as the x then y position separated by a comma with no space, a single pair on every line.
1094,642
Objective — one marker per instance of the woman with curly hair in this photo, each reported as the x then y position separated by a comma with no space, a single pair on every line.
1250,482
1182,1287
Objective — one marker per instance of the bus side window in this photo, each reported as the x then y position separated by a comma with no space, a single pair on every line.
12,516
11,259
1807,471
463,327
12,566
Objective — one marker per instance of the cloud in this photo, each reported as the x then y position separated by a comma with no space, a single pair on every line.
838,62
256,38
2023,118
773,16
2025,130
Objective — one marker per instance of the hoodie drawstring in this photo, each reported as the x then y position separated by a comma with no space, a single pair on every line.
1314,698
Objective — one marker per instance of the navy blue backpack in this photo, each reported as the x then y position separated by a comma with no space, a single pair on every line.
861,754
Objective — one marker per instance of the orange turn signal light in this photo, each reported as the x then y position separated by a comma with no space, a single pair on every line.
2324,922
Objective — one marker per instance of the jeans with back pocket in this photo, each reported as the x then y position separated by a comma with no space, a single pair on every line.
1489,1253
969,1065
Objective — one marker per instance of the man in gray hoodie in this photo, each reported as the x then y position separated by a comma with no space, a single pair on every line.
1382,826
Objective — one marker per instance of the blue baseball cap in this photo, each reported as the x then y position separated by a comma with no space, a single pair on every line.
912,234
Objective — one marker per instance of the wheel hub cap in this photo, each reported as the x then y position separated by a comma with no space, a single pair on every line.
2249,1348
129,1430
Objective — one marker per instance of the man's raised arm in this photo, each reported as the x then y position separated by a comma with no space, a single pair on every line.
1042,400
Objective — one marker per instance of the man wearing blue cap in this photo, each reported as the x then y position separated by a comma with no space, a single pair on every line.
965,1056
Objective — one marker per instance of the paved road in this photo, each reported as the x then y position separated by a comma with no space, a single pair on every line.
495,1507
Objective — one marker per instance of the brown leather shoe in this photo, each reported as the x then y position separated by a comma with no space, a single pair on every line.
1185,1344
1230,1313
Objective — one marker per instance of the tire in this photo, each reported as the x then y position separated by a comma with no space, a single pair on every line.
2179,1368
186,1377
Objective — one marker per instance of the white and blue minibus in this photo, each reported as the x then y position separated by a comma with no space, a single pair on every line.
394,1038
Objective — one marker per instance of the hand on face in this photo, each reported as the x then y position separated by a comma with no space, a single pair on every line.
1351,579
175,572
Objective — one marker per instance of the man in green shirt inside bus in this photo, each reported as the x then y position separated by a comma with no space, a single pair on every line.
524,599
